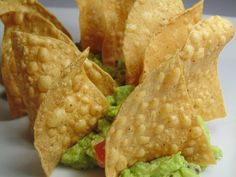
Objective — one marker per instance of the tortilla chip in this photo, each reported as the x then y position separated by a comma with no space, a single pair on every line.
116,13
157,120
39,62
71,109
26,22
31,6
170,39
200,54
101,79
92,24
145,19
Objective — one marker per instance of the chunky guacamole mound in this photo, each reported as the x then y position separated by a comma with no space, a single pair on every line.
169,166
82,155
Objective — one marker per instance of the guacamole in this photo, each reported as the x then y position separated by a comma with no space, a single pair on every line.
82,155
169,166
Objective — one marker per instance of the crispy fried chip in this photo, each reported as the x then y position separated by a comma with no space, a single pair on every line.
71,109
101,79
26,22
200,54
104,82
37,25
31,6
145,19
39,61
156,120
170,39
116,13
92,24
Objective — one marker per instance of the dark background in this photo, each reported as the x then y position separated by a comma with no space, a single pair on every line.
217,7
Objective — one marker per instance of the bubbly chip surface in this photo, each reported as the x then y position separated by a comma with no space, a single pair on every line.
71,109
35,24
156,120
100,78
200,57
145,19
172,38
39,62
25,22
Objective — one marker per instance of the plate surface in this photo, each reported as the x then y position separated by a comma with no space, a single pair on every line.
19,159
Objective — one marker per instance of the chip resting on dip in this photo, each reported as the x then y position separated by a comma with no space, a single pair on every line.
164,124
70,110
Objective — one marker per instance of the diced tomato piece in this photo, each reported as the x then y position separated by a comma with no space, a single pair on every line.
100,153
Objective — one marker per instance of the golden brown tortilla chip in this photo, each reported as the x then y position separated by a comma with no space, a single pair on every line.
71,109
200,54
92,24
26,22
145,19
31,6
39,62
101,79
170,39
157,120
116,13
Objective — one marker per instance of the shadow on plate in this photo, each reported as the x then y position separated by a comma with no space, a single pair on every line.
4,110
70,172
30,167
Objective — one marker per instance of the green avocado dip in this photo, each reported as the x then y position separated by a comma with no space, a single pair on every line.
82,155
169,166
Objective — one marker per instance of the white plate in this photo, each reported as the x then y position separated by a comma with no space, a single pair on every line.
19,159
